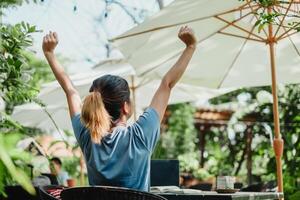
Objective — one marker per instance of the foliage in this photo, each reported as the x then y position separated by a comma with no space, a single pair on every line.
11,162
274,16
179,140
14,79
181,135
17,85
259,105
72,166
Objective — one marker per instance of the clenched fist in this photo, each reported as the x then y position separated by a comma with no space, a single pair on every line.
50,41
186,35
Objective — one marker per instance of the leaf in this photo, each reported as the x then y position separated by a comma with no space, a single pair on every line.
17,174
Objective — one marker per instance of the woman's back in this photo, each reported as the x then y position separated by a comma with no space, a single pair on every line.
123,157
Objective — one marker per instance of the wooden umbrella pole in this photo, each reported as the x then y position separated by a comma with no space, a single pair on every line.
278,142
133,89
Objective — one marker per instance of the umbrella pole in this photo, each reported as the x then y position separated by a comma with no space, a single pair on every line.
277,142
133,88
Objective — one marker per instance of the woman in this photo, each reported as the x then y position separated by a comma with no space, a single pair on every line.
117,154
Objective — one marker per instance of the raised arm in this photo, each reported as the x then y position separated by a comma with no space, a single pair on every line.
50,41
161,97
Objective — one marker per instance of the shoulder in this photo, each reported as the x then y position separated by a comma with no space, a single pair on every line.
81,132
150,116
147,128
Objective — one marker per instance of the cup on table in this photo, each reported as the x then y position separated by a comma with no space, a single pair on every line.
225,182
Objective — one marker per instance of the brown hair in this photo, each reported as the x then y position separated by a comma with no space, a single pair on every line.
103,105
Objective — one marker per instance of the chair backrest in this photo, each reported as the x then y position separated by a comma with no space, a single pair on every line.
18,193
253,188
164,173
106,193
52,178
51,192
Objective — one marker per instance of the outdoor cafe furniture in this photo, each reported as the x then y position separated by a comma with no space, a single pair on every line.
106,193
51,192
17,192
216,196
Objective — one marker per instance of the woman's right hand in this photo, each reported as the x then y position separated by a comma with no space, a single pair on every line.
50,41
186,35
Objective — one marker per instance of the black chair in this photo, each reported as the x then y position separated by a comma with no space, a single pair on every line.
52,178
18,193
51,192
164,173
106,193
253,188
202,186
238,185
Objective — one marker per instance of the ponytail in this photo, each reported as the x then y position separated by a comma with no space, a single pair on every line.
95,117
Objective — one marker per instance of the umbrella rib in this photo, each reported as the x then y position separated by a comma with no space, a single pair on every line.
288,35
236,57
240,28
283,18
239,36
212,34
180,23
294,45
292,10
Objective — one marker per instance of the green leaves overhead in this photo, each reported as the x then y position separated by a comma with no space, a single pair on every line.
15,77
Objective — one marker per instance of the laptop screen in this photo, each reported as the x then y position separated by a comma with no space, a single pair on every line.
164,173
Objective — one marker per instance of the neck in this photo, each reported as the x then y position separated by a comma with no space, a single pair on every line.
122,121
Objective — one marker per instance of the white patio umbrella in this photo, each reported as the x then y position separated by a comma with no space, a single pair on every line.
142,89
231,51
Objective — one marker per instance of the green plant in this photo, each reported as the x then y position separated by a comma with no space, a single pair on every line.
262,152
179,140
72,166
15,77
12,163
14,88
265,18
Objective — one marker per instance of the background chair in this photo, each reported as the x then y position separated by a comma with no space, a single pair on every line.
51,192
238,185
106,193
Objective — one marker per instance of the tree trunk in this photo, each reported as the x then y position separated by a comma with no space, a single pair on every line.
249,155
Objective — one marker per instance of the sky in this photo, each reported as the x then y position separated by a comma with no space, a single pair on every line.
83,26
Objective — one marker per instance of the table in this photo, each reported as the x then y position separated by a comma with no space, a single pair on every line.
216,196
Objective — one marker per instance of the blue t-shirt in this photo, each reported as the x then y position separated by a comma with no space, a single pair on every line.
123,157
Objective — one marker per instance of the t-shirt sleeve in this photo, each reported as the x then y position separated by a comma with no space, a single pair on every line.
149,126
80,131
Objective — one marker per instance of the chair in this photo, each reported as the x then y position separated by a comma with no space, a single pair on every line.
238,185
18,193
106,193
253,188
51,192
52,178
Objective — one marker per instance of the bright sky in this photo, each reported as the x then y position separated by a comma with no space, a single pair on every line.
82,26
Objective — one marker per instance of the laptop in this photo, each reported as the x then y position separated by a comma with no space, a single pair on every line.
164,173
